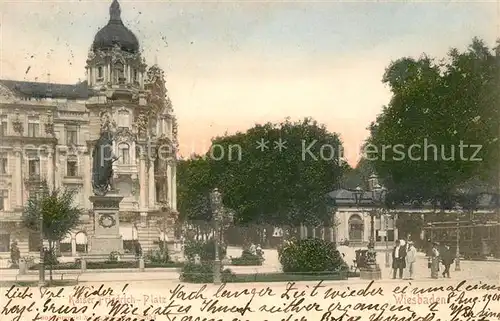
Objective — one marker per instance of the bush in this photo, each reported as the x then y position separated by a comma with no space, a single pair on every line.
157,256
311,255
247,259
205,249
203,273
50,257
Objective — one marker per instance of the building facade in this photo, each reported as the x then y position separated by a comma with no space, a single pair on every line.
47,132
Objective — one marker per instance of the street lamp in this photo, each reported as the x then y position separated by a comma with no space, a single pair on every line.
216,203
378,195
457,251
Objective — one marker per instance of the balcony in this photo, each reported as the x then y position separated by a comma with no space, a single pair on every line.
33,180
73,179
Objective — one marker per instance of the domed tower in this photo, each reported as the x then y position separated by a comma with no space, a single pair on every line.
134,106
114,64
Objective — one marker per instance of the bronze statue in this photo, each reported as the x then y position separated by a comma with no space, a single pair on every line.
102,169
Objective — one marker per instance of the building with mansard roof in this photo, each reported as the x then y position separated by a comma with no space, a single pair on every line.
47,131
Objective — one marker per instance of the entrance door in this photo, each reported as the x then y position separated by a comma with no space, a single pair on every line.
356,228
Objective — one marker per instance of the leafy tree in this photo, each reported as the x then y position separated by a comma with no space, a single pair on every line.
445,103
266,185
195,184
59,214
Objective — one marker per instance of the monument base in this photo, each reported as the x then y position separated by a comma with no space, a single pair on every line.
370,274
105,245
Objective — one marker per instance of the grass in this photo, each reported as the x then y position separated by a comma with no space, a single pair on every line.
34,283
110,265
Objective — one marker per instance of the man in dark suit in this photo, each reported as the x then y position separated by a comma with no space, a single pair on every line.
447,259
398,260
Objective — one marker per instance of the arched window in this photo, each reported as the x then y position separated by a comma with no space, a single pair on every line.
124,152
119,73
356,227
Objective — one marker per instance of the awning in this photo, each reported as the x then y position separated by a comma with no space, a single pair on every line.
66,239
81,238
128,233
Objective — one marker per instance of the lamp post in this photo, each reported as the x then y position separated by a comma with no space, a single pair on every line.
457,251
372,270
216,203
41,267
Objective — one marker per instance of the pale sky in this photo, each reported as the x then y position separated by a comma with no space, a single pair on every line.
232,64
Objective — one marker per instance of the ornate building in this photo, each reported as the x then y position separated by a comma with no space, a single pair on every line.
47,131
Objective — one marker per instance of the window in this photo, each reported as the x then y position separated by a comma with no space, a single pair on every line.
119,73
3,126
34,242
71,135
72,168
4,242
4,198
3,165
135,75
124,153
33,127
100,72
34,167
123,119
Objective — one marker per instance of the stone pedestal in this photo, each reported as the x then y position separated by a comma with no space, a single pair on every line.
106,238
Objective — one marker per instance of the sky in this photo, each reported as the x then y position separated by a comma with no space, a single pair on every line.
232,64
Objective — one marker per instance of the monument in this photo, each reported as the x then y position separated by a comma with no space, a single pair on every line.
106,201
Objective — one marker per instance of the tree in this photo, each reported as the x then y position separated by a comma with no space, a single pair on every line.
278,173
59,214
451,104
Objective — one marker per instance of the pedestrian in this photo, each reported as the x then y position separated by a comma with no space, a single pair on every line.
434,261
137,250
398,260
411,257
447,259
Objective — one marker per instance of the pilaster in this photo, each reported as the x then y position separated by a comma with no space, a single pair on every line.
151,185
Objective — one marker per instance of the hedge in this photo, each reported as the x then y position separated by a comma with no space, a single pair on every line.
267,277
247,259
111,265
203,273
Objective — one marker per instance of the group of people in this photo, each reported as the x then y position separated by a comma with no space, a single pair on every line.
404,256
443,255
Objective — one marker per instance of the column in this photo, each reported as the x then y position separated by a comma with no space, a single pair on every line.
174,188
133,154
87,180
19,178
151,187
142,182
396,236
89,80
169,184
73,245
50,169
332,235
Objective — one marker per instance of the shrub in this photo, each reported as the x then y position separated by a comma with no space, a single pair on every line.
50,257
157,256
205,249
203,273
113,257
247,259
311,255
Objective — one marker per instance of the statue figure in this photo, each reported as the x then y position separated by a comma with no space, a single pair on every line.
102,164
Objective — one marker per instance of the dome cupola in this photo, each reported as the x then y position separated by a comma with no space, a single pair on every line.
115,33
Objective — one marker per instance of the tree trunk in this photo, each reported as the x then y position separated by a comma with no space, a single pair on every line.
51,248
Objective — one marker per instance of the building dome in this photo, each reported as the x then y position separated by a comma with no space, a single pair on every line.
115,33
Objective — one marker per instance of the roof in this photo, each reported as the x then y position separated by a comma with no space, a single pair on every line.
48,90
344,197
115,33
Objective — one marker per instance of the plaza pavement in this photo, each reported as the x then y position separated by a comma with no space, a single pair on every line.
469,270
